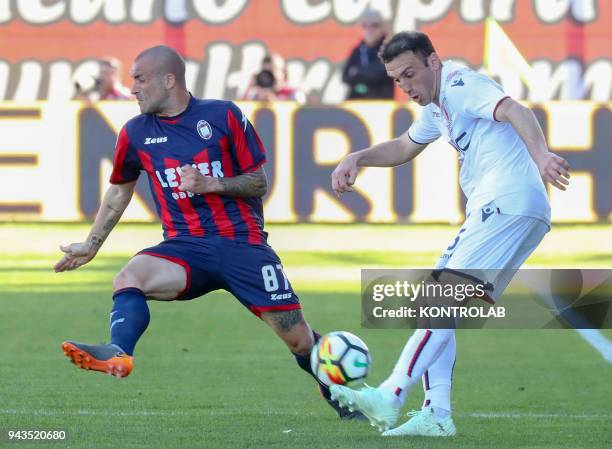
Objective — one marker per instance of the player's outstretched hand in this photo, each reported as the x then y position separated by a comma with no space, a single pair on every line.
554,169
195,182
75,255
344,175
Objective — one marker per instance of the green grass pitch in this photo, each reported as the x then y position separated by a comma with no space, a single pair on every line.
210,375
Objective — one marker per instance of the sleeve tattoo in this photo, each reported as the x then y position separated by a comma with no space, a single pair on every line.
250,185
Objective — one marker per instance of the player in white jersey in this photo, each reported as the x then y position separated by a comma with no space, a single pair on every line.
504,160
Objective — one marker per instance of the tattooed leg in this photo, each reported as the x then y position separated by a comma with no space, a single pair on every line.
291,327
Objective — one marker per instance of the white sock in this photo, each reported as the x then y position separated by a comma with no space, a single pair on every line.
420,352
437,381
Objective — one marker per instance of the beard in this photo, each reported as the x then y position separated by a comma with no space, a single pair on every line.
149,107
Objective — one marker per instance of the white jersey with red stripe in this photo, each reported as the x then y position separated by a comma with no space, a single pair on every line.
495,163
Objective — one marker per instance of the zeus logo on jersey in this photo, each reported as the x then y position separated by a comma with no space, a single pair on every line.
170,177
280,296
150,140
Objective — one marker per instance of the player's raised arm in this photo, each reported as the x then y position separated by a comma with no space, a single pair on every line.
553,168
247,185
386,154
115,201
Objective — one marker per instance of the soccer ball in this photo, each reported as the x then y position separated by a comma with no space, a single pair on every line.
340,358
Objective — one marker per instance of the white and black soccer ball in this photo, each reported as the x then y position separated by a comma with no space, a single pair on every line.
340,358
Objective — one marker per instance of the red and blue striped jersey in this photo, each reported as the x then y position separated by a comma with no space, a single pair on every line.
213,136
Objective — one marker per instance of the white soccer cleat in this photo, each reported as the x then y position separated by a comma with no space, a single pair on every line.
380,407
424,423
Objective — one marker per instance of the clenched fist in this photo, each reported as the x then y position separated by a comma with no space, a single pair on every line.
195,182
344,175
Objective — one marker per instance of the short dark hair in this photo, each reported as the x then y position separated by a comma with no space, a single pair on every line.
413,41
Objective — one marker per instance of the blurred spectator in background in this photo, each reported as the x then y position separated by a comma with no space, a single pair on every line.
270,83
107,85
364,74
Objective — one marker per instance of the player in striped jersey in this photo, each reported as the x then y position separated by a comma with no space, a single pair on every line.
203,159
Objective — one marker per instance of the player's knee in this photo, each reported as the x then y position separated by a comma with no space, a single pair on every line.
126,279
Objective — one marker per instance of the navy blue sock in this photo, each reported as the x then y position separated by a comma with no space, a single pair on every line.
129,318
303,362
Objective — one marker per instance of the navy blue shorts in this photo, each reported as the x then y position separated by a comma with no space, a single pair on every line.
252,273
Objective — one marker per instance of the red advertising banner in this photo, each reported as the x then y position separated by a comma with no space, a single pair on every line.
47,43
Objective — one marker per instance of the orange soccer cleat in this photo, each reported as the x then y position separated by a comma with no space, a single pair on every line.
106,358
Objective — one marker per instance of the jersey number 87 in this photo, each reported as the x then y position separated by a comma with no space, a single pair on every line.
270,278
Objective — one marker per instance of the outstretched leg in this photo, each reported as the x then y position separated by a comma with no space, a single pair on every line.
144,276
422,350
291,327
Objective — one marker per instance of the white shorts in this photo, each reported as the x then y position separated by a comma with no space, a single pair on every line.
493,246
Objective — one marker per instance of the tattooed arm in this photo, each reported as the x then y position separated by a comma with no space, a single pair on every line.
248,185
115,201
113,205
